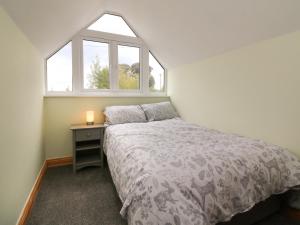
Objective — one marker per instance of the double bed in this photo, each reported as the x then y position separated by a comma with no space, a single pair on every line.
174,172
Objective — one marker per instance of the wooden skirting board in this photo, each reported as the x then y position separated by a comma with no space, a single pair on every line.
293,213
35,189
59,162
32,195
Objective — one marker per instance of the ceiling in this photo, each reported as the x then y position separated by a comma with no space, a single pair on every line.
177,32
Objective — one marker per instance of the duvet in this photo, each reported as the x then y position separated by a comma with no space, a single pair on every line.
172,172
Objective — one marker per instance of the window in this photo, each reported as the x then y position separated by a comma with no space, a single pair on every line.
59,70
112,24
105,59
157,75
128,67
95,65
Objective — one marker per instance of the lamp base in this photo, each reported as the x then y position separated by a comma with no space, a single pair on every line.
89,123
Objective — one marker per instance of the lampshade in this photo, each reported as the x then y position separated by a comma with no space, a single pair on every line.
89,117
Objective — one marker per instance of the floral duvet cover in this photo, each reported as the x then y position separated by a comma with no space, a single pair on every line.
172,172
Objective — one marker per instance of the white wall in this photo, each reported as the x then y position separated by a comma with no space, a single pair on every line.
21,118
253,91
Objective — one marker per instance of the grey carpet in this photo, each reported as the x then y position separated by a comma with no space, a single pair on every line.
87,198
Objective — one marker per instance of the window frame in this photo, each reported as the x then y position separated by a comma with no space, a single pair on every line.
140,90
113,14
58,93
113,41
165,73
81,70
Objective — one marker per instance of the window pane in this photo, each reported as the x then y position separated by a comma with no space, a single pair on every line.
96,65
59,70
129,67
112,24
157,74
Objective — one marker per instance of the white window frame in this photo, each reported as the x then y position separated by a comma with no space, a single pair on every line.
113,41
165,73
58,93
81,64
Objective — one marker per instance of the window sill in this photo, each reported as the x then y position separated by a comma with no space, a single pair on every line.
106,95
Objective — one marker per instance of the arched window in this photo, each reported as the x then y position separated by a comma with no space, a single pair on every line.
105,59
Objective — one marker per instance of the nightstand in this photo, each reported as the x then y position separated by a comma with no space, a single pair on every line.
87,145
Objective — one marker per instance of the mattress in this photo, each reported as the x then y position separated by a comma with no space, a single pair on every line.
174,172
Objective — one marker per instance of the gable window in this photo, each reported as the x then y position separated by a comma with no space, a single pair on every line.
128,67
95,65
59,70
112,24
105,59
157,75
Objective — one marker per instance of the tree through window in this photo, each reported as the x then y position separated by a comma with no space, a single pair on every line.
157,74
129,67
96,65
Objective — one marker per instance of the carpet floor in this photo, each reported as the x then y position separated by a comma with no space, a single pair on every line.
88,198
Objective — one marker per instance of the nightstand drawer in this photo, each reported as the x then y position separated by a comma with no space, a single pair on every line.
87,134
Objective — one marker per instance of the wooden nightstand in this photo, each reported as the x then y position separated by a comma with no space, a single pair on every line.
87,145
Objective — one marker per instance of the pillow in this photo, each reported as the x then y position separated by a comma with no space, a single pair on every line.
124,114
159,111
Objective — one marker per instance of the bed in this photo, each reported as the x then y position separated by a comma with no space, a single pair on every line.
173,172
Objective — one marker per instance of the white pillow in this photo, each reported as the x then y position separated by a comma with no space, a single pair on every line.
159,111
124,114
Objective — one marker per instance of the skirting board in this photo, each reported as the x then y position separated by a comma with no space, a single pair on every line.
293,213
59,161
32,195
35,189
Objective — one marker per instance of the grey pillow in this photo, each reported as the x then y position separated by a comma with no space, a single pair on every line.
159,111
124,114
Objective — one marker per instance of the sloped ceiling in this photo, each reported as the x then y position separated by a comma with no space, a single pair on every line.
176,31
